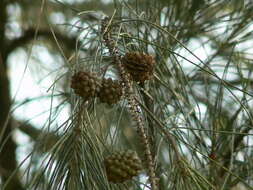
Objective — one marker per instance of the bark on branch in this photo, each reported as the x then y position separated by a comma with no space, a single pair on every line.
32,34
49,138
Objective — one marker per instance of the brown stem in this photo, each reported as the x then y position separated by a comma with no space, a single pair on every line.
227,156
32,34
8,162
7,146
49,138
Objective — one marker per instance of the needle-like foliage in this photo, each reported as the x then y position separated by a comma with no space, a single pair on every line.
189,121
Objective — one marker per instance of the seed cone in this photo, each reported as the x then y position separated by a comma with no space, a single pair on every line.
139,65
122,166
110,92
85,84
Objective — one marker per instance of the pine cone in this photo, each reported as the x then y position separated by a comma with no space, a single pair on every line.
85,84
139,65
110,91
122,166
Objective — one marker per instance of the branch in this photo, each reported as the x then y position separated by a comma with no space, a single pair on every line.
32,34
234,82
226,158
8,165
49,138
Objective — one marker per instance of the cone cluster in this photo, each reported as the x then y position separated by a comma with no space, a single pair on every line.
122,166
139,65
110,92
87,85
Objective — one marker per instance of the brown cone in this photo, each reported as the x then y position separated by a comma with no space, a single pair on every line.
85,84
139,65
110,92
122,166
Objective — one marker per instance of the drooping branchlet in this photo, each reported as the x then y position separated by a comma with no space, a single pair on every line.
130,96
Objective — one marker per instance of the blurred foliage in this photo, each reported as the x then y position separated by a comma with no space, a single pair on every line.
197,108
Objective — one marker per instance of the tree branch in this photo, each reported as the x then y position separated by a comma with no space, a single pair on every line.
238,81
49,138
226,158
8,162
31,34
